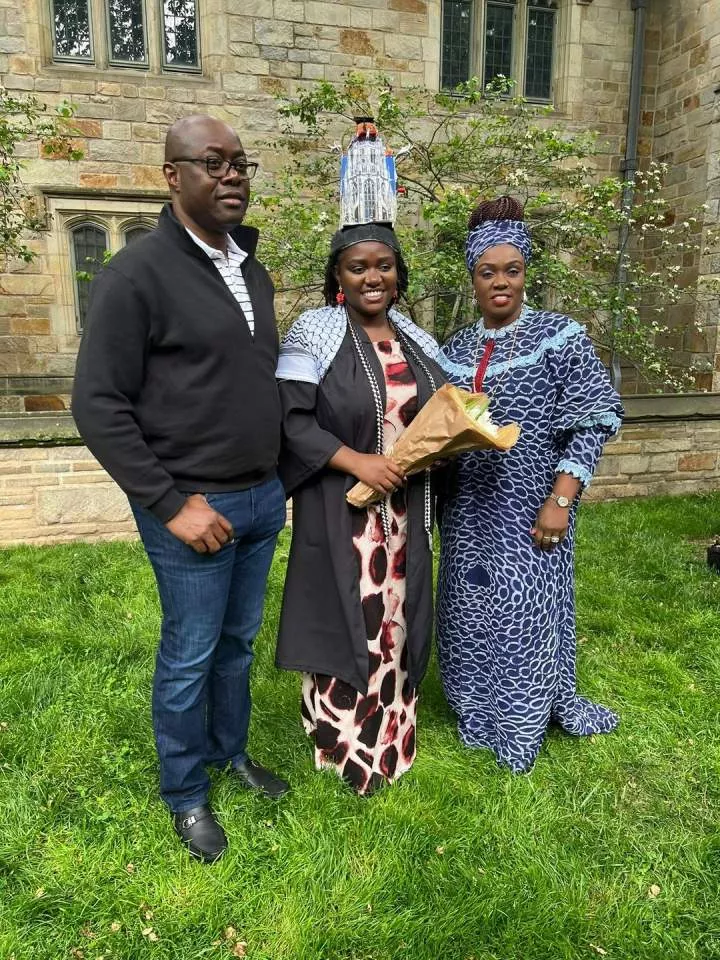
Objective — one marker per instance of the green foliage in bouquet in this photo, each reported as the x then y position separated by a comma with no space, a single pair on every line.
454,149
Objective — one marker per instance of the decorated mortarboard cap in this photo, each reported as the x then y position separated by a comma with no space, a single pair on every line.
368,190
368,181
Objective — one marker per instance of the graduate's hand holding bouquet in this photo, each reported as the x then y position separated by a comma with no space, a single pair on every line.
453,421
373,470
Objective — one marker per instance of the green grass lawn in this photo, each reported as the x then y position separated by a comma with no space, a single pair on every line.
611,847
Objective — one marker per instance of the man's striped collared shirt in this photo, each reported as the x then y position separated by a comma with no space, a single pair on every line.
229,269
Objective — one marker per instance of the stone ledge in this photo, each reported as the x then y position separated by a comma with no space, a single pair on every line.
54,428
91,193
646,408
38,429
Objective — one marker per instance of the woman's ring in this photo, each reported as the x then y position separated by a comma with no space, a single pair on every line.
554,539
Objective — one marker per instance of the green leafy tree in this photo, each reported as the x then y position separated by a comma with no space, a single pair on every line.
23,120
455,149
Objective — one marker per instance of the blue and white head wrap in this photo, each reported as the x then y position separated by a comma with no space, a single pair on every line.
492,233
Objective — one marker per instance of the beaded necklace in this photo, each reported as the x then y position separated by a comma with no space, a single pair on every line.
408,348
482,365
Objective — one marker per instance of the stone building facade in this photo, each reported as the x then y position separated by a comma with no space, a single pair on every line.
131,67
247,53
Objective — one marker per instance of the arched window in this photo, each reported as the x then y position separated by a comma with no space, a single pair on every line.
135,232
89,243
512,38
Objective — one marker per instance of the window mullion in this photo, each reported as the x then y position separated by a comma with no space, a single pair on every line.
520,41
478,34
100,33
115,243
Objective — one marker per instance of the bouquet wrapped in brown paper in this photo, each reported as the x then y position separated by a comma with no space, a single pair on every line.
453,421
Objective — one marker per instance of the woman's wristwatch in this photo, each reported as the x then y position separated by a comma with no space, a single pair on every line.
560,500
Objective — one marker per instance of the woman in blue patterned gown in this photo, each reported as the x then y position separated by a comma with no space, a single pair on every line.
506,614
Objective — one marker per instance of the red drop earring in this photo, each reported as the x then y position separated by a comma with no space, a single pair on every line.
340,298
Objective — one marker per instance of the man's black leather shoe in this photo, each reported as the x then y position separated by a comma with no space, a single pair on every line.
254,777
201,833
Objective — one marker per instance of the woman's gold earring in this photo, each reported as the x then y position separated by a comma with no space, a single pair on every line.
474,300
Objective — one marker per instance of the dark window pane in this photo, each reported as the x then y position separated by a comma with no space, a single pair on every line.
540,40
71,29
498,40
135,233
127,31
180,33
89,244
456,42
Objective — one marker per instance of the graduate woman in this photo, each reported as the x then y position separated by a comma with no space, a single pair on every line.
357,608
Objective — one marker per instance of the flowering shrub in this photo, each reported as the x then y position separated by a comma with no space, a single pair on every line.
618,267
23,120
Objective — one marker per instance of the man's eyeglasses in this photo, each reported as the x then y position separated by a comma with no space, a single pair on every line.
217,168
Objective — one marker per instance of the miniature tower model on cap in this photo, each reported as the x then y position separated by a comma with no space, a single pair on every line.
368,182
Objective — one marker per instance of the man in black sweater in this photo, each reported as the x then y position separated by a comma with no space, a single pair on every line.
175,394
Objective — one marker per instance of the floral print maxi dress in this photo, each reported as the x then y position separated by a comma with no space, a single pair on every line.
370,739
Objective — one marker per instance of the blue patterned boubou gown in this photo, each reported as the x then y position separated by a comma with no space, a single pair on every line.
506,613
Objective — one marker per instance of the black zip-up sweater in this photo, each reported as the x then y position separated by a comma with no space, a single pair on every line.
172,394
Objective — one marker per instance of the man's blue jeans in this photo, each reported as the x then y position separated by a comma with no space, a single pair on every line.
212,608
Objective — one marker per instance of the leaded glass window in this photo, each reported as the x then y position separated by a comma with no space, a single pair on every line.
135,232
126,31
89,243
168,38
456,42
509,38
539,54
499,18
180,34
72,38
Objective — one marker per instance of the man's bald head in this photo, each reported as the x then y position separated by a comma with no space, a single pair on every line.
209,203
191,136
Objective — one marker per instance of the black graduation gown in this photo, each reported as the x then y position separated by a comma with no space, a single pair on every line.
322,628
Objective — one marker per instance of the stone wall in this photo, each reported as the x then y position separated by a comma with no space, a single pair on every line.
255,50
52,489
679,116
57,493
668,445
596,54
649,459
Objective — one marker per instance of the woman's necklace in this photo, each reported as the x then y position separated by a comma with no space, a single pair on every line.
407,347
480,366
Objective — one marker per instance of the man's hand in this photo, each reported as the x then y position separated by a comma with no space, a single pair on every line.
199,526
